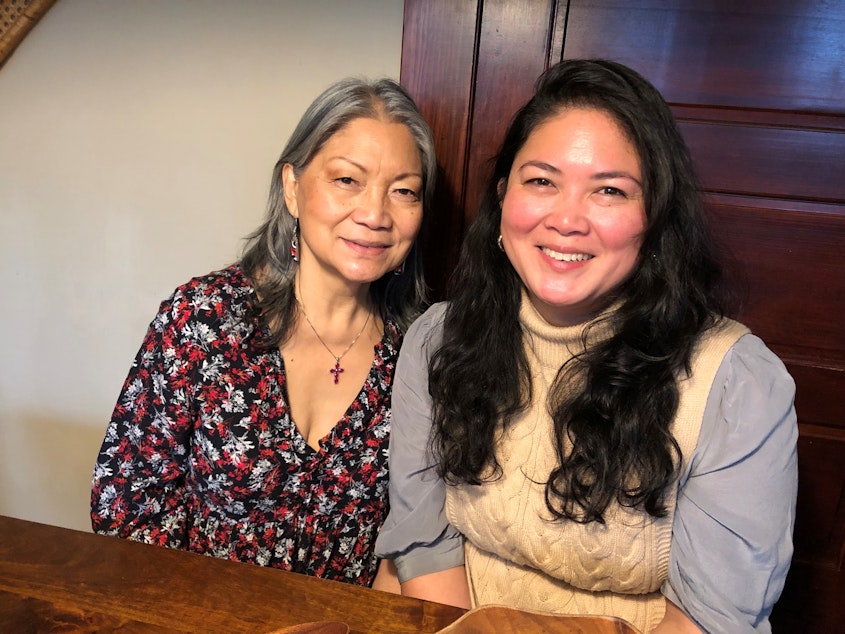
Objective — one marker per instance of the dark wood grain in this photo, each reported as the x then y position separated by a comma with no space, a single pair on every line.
772,54
805,163
27,615
444,35
820,525
805,606
788,259
75,581
513,44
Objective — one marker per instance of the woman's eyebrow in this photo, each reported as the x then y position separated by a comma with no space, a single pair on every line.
364,169
541,165
609,175
345,159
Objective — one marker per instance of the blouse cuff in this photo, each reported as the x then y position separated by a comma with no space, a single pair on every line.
424,560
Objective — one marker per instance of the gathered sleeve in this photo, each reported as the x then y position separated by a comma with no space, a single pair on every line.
732,531
138,489
416,535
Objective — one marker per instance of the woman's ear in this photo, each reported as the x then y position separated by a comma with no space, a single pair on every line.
501,188
290,184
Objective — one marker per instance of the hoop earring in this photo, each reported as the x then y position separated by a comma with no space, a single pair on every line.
294,243
501,243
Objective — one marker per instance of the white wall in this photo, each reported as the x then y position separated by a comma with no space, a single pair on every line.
137,141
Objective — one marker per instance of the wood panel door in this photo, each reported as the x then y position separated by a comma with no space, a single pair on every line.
758,89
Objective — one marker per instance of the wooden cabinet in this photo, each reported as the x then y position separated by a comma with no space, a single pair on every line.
758,89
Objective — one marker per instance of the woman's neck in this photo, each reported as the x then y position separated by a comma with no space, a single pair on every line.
335,309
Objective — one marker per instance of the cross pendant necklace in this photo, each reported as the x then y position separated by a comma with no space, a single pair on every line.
336,370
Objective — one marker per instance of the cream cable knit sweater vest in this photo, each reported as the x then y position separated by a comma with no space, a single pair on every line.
517,556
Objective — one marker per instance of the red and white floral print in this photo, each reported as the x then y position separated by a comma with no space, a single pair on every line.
201,453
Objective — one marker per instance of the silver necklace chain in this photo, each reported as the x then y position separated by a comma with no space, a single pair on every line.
336,370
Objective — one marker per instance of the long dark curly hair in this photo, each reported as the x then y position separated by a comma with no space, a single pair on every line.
622,449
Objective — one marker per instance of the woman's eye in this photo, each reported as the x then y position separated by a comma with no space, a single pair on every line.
540,181
345,180
410,194
612,191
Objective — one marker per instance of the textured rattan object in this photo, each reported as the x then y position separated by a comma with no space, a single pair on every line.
491,619
17,17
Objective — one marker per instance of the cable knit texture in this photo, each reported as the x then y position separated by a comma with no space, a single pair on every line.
517,555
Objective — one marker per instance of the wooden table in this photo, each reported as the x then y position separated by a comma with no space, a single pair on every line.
56,579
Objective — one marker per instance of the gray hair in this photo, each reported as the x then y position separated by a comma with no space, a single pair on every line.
267,251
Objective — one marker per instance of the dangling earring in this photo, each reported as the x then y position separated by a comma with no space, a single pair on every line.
294,243
500,243
399,269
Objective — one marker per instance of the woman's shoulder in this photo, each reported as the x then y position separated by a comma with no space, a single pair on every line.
219,297
228,283
740,351
428,325
746,353
434,315
751,359
746,362
751,402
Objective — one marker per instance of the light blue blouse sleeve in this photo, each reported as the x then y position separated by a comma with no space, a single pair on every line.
416,534
732,531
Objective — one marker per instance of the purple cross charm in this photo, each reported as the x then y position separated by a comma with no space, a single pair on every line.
336,370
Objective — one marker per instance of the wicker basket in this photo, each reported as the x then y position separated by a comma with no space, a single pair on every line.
17,17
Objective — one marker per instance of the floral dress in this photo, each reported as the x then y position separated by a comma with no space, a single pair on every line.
201,453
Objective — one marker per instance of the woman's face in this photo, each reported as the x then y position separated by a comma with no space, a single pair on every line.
359,202
573,214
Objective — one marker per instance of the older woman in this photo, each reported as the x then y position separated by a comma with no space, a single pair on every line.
254,422
601,438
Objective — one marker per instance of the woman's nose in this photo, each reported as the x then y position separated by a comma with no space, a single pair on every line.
569,214
372,209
